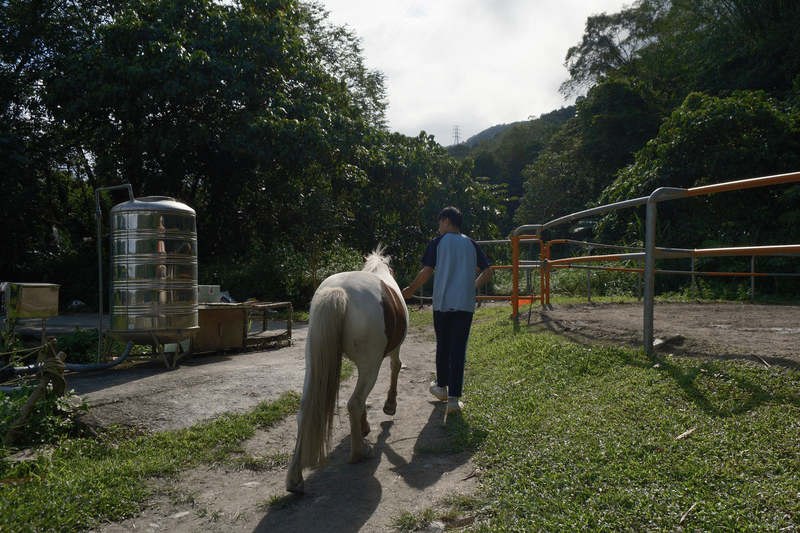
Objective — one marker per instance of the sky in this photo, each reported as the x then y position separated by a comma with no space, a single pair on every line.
470,64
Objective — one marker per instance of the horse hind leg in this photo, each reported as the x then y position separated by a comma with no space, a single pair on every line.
364,424
390,406
294,476
356,408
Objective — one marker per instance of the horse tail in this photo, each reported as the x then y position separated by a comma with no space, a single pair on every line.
324,357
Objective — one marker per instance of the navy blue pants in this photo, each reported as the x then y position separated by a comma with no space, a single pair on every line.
452,332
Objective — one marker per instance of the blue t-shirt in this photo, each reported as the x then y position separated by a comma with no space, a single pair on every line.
456,259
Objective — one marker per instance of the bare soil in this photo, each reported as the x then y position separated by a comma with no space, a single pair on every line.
403,475
764,334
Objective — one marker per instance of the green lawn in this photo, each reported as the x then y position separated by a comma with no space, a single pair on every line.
607,439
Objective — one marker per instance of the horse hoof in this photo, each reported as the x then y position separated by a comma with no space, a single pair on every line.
367,453
298,488
389,409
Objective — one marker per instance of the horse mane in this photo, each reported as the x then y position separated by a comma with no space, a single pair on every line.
377,260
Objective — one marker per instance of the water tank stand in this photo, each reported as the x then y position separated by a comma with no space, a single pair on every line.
179,353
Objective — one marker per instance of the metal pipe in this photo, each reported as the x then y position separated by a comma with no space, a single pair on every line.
515,275
744,184
596,245
661,194
32,369
504,241
589,212
526,227
639,283
649,276
98,215
589,277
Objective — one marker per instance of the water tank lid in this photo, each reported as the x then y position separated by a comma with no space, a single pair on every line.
153,203
155,199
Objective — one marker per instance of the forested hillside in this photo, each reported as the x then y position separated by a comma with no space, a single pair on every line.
671,93
501,158
262,117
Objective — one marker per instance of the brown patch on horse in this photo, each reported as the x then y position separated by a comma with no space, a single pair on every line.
394,318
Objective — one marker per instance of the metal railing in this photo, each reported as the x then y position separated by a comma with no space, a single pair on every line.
649,254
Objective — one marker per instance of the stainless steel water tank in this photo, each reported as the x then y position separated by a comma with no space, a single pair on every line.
153,271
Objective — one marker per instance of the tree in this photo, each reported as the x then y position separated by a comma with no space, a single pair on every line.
235,110
45,214
501,160
713,140
420,178
682,46
260,114
611,45
614,121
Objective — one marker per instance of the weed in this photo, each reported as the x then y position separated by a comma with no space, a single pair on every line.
407,521
262,463
348,369
182,497
278,501
50,419
81,346
210,515
460,502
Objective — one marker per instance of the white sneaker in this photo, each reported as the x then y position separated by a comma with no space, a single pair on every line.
454,405
439,392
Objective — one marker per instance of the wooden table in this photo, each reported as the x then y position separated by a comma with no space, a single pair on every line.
226,326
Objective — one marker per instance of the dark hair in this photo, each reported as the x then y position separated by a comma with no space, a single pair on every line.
453,215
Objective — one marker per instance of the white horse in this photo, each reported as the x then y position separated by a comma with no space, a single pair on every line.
363,316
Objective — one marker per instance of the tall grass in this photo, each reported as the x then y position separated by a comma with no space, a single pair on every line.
604,439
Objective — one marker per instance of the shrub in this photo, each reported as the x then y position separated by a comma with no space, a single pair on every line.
49,420
79,345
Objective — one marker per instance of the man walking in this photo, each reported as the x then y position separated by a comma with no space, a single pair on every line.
455,258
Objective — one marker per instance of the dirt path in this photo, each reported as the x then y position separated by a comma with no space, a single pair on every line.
340,498
765,334
366,497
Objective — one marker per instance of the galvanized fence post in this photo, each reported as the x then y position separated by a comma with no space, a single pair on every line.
649,275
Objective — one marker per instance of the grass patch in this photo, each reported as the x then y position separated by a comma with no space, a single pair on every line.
407,521
262,463
419,318
80,483
348,369
279,501
606,439
461,437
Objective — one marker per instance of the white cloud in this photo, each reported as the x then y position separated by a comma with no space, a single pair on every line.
467,63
